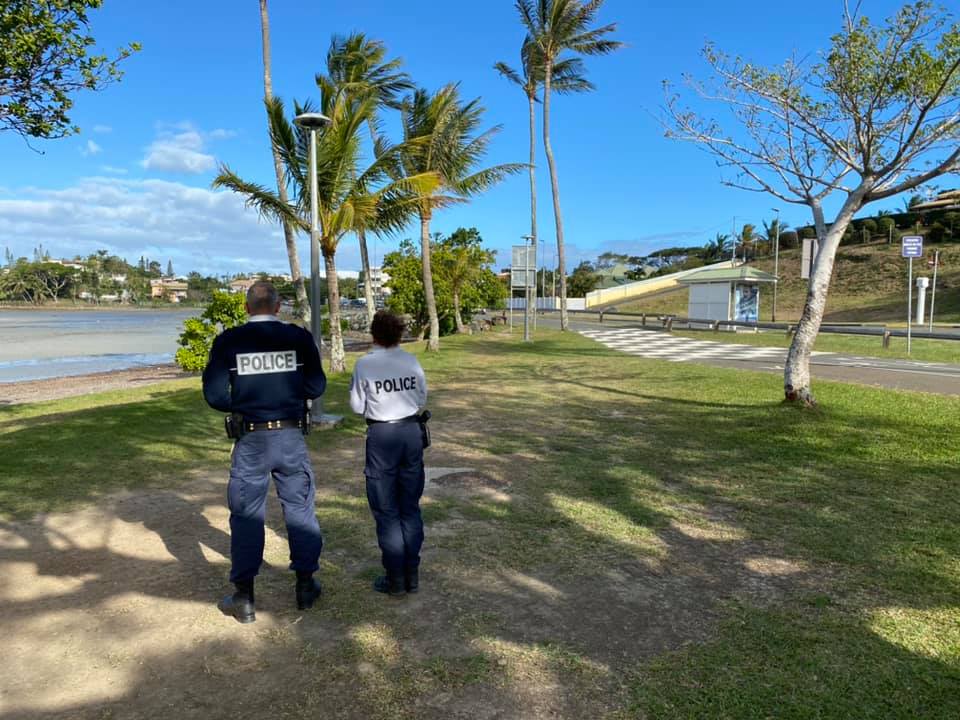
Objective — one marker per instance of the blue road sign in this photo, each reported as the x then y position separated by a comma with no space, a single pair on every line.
911,246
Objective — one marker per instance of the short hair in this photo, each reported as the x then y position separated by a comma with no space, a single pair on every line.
262,297
386,328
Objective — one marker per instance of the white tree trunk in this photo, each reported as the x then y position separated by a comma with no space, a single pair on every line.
337,355
288,234
457,317
796,371
555,186
367,284
429,297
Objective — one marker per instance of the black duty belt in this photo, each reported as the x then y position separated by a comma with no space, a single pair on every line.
272,425
409,418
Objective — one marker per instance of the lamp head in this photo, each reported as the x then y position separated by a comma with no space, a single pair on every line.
311,121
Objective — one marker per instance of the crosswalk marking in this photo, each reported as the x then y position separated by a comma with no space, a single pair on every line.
662,346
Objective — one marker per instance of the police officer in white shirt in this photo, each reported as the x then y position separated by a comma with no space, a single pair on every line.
262,373
389,389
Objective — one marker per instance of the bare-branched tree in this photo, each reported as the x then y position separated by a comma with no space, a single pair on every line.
878,114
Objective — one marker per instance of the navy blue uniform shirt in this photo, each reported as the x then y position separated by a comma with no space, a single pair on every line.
263,370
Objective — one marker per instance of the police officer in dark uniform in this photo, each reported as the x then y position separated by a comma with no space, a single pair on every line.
262,373
389,389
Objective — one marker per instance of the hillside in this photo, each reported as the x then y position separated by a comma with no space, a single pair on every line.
869,285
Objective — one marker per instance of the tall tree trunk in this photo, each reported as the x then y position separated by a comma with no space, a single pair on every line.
288,233
555,186
796,371
337,355
429,297
531,99
367,282
458,318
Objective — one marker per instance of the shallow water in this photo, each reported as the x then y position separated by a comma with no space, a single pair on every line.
38,344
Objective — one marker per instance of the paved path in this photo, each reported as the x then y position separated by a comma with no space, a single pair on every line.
898,374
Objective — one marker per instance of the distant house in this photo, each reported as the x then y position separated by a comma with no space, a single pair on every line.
378,281
171,290
947,200
613,276
241,285
72,264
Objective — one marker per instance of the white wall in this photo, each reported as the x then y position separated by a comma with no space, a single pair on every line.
549,303
709,301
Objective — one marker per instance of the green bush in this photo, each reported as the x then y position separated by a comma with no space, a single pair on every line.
224,311
325,325
937,233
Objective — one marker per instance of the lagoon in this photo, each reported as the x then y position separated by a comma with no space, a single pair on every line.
38,344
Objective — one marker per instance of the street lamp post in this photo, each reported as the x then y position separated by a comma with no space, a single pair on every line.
526,288
776,266
543,274
314,122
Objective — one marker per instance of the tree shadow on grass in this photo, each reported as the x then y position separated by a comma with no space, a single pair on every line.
655,524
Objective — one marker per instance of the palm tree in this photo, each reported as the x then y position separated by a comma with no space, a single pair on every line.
558,26
288,230
358,67
348,198
717,248
441,137
567,77
772,231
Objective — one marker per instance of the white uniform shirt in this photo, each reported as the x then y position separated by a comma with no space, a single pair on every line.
388,384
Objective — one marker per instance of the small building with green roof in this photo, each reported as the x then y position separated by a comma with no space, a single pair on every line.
726,293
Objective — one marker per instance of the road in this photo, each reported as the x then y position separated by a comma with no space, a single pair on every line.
629,337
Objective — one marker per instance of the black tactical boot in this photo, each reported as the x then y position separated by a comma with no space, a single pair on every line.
411,580
240,605
308,590
389,584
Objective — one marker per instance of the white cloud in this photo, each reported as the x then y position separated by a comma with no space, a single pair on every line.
197,228
113,170
102,129
91,148
181,148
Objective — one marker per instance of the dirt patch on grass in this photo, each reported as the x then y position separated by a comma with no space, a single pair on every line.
108,612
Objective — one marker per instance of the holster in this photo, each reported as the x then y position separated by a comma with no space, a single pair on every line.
233,424
423,418
307,421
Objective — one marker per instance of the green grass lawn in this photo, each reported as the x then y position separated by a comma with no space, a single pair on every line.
620,483
941,351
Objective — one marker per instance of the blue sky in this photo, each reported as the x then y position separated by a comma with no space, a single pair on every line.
136,181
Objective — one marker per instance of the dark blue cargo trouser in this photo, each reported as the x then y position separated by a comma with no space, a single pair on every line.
394,472
257,456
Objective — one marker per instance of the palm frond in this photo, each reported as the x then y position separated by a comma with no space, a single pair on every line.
569,76
509,73
265,201
485,179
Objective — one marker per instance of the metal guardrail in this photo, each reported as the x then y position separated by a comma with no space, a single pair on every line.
667,322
